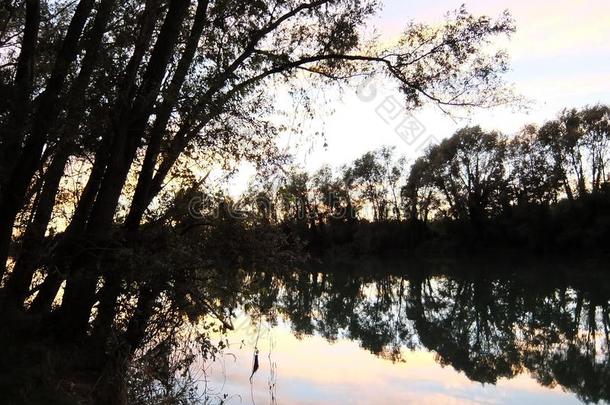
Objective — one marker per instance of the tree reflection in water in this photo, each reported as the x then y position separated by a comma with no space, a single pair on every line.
484,324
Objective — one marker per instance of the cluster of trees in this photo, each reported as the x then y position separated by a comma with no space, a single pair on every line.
369,187
475,175
475,179
104,105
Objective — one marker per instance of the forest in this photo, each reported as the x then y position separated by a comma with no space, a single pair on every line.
112,114
541,191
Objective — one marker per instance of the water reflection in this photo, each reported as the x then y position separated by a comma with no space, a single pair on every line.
489,327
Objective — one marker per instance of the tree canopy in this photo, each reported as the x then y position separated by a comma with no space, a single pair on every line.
105,104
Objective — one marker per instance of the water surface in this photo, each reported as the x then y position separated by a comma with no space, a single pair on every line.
420,337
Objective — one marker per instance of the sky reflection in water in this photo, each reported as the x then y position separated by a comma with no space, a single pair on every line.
490,330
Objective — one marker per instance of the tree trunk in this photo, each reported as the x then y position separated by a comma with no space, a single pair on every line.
21,92
46,293
21,277
45,118
111,290
80,288
106,310
141,198
34,236
136,329
127,138
60,268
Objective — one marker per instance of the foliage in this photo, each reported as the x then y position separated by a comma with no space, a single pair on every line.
111,115
543,189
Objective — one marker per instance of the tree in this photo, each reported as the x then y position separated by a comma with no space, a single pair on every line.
419,192
295,199
535,180
563,139
595,125
368,178
392,173
468,168
330,195
137,87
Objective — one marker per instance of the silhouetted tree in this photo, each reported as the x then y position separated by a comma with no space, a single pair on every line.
468,169
534,179
133,91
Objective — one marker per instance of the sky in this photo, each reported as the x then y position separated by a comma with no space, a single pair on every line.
311,370
560,57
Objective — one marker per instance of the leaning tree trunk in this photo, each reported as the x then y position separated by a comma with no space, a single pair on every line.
45,117
59,265
20,278
19,99
141,198
34,235
112,285
79,295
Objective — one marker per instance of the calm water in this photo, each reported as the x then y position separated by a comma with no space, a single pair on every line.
424,337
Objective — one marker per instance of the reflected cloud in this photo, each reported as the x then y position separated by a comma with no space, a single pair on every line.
343,338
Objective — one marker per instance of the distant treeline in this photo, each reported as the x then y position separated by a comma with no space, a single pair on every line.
544,189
